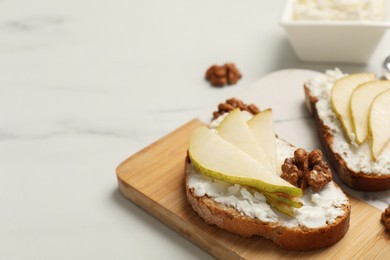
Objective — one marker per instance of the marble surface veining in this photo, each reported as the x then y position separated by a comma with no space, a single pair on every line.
85,84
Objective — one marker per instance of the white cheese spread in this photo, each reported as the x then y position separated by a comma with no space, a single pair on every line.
339,10
357,157
318,210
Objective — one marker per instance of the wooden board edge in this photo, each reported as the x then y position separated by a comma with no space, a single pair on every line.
189,124
169,218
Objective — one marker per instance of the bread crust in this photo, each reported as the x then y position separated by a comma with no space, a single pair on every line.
298,238
355,180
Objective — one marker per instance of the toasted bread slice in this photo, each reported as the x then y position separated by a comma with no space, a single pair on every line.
322,220
354,177
296,238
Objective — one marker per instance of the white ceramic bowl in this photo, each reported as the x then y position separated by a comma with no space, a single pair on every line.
332,41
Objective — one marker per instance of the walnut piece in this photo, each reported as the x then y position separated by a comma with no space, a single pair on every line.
220,76
386,218
233,103
306,170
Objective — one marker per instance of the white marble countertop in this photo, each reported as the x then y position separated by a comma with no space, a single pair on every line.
85,84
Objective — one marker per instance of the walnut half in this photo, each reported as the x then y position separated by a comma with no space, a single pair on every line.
220,76
306,170
233,103
386,218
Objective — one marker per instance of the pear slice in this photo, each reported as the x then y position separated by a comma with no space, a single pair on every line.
215,157
262,128
286,209
289,201
379,123
340,96
235,130
360,103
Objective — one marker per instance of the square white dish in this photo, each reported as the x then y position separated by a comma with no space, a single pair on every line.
332,41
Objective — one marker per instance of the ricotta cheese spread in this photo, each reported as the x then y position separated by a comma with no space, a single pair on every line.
318,210
357,157
339,10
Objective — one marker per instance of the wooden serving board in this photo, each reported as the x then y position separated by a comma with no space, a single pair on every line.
154,179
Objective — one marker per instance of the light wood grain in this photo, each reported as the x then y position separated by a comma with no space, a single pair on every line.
153,178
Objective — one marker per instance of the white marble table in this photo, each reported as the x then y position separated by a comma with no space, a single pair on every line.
85,84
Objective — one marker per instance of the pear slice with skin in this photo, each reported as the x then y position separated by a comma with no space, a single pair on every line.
235,130
289,201
286,209
215,157
360,103
262,128
379,123
340,97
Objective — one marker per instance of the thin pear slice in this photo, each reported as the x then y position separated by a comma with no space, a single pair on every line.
360,103
340,96
262,128
215,157
379,123
286,209
235,130
289,201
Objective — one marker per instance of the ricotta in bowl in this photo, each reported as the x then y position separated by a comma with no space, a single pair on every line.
339,10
